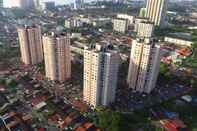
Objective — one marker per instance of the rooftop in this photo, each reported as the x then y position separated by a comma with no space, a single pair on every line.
28,26
181,35
99,47
56,35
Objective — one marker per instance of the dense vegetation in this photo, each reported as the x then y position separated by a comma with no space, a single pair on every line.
126,121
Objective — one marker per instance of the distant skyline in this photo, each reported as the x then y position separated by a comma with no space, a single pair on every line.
8,3
60,2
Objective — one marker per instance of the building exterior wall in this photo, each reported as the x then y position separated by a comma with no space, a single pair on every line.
100,21
154,68
178,41
57,57
120,25
145,29
156,11
30,45
100,77
91,77
1,4
70,23
79,4
50,5
139,20
126,17
111,77
144,66
67,24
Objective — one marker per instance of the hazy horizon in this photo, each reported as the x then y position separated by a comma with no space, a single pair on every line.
8,3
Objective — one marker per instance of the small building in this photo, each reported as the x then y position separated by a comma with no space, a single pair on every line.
48,5
70,23
40,105
76,35
101,21
181,39
187,98
120,25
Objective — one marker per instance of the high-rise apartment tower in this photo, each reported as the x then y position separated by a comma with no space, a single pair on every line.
57,56
100,75
156,11
144,65
30,44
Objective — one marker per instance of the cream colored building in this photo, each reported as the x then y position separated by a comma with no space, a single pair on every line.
145,29
100,76
71,23
57,56
97,22
142,12
120,25
30,44
178,41
68,24
156,11
130,18
138,20
144,65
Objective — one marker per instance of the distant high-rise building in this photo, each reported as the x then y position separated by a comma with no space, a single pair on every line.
48,5
1,3
70,23
100,76
30,44
142,12
29,4
144,65
113,1
38,4
15,3
121,1
26,4
145,29
79,4
44,5
156,11
57,56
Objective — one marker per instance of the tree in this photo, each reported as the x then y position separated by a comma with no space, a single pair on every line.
11,83
116,120
163,68
2,81
41,67
104,119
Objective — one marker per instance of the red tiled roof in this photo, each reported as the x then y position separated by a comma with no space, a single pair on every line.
41,129
80,129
